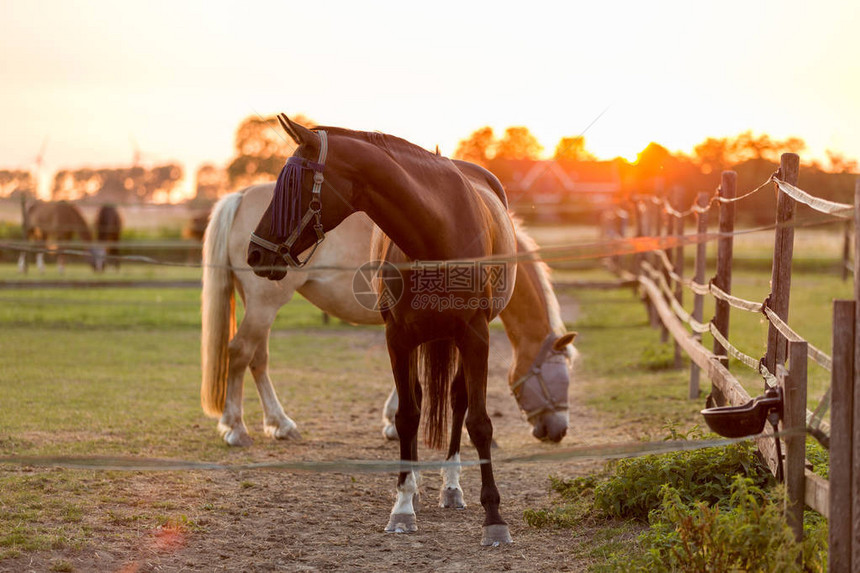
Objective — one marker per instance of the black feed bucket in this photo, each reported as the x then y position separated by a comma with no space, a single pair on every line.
749,419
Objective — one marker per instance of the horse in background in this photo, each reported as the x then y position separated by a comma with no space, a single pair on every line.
108,230
543,353
195,227
49,224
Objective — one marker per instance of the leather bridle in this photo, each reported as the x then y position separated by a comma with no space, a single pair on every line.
314,211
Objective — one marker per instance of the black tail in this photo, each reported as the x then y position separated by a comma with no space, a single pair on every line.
438,360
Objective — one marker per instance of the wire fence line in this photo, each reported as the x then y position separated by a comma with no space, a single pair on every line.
611,451
602,249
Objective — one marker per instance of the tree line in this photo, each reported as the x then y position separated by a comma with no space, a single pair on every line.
260,149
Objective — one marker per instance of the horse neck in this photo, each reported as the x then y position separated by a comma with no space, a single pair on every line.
393,197
529,317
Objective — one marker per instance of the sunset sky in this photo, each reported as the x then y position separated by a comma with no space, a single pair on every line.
95,79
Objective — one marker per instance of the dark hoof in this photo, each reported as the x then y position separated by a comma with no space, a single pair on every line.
401,523
452,498
496,535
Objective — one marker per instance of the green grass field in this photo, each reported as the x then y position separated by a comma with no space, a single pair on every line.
115,371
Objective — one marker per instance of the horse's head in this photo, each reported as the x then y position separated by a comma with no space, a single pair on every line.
98,258
542,392
311,197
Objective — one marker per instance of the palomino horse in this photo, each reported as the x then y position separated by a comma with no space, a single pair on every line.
108,230
539,376
57,222
428,211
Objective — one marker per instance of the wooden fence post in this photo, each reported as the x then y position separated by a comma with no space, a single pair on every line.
678,263
645,211
698,300
793,384
841,438
855,464
723,277
783,249
846,250
23,259
663,224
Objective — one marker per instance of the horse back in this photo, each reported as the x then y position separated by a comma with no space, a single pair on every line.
481,176
59,219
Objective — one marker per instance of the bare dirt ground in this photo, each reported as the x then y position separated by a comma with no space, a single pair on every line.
287,521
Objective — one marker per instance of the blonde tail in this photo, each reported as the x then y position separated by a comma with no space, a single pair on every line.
218,305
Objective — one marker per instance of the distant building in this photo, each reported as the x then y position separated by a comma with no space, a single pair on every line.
556,190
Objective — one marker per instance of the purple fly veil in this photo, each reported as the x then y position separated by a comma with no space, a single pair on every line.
287,200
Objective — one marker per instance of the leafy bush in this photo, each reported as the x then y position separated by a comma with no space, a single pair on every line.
745,533
706,475
708,510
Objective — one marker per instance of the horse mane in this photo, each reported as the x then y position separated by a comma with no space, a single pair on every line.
543,273
392,144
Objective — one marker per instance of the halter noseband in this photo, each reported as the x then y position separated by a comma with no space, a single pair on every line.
536,371
314,210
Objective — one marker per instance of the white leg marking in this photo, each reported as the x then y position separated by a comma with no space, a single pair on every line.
402,518
405,493
451,494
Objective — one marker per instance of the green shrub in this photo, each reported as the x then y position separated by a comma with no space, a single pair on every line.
635,488
708,510
746,532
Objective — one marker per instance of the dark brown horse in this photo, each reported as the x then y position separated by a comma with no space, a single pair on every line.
450,246
54,223
108,231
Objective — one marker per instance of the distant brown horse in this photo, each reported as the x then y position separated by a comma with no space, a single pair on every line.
108,230
53,223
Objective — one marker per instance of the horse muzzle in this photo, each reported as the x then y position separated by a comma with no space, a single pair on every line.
550,426
265,263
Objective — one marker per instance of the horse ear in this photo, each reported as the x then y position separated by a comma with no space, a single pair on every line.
563,340
297,131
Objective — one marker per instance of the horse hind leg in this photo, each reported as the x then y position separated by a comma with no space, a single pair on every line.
451,494
276,423
474,350
403,365
231,426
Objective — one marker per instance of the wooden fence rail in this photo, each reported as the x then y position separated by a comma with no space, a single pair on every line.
660,278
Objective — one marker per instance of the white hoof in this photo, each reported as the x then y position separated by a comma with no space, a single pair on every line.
452,498
401,523
288,431
237,436
496,535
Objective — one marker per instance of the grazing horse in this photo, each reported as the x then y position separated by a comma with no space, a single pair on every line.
108,230
441,231
539,375
57,222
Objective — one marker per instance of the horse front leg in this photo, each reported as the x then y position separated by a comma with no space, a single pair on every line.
451,494
474,351
402,519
